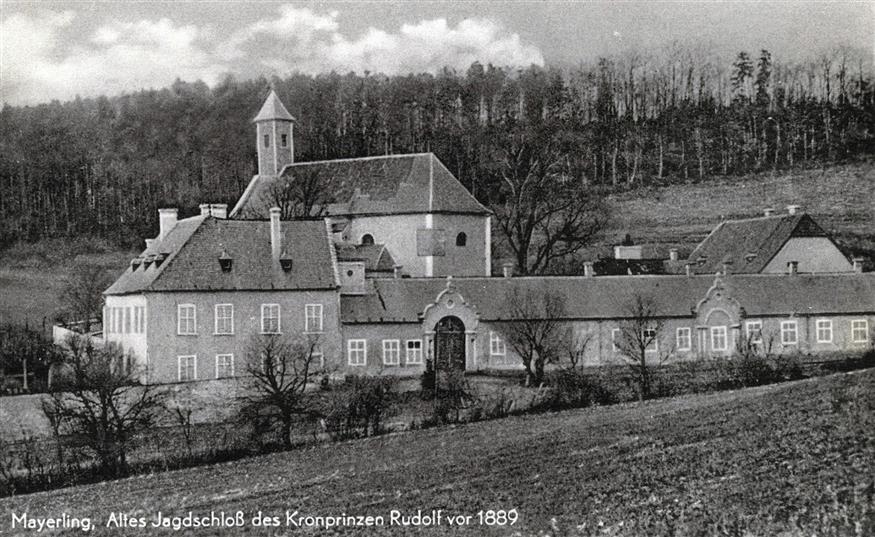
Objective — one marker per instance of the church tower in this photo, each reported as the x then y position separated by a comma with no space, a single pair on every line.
274,128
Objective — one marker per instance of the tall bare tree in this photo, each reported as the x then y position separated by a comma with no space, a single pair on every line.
543,213
537,332
82,294
301,193
280,369
99,399
637,341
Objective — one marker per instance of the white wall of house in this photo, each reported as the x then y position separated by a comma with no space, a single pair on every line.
814,254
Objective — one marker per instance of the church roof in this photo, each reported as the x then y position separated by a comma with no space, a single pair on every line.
193,246
392,184
609,297
273,109
748,245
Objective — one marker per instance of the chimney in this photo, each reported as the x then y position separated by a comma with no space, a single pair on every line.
507,270
588,269
858,264
673,254
275,234
397,270
166,221
769,211
205,209
219,210
793,209
149,243
792,267
688,269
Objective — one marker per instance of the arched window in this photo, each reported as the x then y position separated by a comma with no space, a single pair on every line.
367,238
461,239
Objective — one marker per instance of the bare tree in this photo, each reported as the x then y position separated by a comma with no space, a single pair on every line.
543,212
637,341
100,400
302,193
280,370
537,332
82,294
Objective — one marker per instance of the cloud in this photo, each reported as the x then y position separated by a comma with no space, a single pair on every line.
41,60
48,54
302,40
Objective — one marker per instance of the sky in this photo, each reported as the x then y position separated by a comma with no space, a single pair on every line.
58,50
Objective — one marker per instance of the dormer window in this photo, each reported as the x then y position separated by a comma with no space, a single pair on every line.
136,263
286,262
367,239
750,256
159,258
225,262
148,261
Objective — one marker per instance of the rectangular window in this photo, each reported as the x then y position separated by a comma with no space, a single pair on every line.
224,366
391,352
753,331
615,337
127,315
860,331
649,337
107,320
313,318
824,330
789,335
684,340
496,345
414,351
267,140
142,319
135,323
186,320
718,338
357,351
270,318
187,367
285,140
224,319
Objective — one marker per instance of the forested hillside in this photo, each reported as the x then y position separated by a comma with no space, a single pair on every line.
102,166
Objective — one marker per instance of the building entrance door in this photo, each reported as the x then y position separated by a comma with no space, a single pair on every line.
449,344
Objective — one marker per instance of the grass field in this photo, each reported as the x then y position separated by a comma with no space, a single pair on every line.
790,459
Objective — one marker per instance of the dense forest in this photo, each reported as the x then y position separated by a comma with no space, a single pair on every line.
101,166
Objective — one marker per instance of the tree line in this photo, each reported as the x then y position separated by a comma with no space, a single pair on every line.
101,166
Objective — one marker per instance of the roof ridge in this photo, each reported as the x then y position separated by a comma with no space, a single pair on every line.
352,159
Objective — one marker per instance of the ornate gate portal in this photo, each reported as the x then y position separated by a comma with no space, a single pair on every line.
449,344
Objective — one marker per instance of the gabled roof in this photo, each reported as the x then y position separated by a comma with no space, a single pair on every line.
273,109
393,184
609,297
194,246
375,256
748,245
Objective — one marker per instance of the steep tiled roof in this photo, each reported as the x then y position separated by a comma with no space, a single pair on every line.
273,109
749,245
194,245
396,184
375,256
609,297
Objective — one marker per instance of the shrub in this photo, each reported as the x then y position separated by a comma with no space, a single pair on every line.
427,380
452,395
573,388
360,407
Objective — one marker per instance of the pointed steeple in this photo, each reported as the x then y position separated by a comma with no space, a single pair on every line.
273,109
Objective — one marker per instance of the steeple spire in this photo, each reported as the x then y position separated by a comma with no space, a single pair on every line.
274,127
273,109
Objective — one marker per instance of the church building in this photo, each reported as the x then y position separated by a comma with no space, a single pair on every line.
388,266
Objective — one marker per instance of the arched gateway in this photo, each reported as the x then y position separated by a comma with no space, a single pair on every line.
449,344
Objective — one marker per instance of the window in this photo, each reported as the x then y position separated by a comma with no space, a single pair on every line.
367,239
648,336
754,332
615,337
128,320
106,320
224,318
267,140
186,320
461,239
496,345
187,367
391,352
860,331
270,318
317,357
224,366
684,340
718,338
142,324
788,333
357,351
313,318
824,330
284,140
414,351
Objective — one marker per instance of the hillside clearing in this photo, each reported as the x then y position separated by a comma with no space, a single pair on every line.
796,457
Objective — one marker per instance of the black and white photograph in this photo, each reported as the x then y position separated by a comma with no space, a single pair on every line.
401,267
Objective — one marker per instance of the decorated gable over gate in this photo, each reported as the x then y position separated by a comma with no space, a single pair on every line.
718,309
450,308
